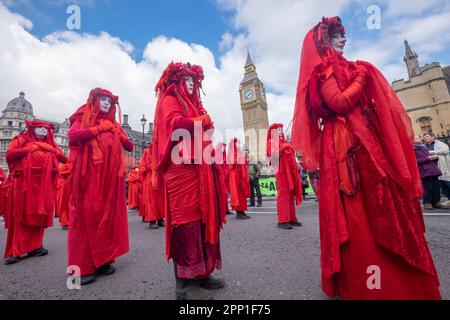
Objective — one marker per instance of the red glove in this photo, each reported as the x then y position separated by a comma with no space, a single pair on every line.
103,126
46,147
205,119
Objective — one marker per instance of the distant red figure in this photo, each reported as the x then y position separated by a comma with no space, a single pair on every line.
33,158
134,188
289,188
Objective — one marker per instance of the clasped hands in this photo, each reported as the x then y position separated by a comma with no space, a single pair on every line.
103,126
43,146
206,121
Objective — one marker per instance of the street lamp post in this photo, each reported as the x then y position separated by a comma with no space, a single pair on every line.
143,122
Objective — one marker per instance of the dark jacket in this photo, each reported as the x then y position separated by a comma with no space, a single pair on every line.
427,167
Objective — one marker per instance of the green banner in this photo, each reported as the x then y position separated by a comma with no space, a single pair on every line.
269,187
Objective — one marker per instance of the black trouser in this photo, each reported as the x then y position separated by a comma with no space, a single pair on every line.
254,185
432,190
445,188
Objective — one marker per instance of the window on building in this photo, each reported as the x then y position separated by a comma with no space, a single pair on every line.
425,124
10,123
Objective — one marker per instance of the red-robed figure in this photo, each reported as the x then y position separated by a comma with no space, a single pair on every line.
98,225
194,212
134,189
152,206
289,188
350,124
221,155
238,179
63,196
33,160
2,198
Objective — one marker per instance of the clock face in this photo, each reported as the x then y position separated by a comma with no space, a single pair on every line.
249,94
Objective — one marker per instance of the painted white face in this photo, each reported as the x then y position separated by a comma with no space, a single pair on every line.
189,84
105,104
136,170
338,42
40,132
280,131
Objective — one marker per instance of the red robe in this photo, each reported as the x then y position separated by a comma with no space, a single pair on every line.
289,189
152,201
98,224
351,125
2,198
63,196
32,193
194,214
222,166
239,181
134,189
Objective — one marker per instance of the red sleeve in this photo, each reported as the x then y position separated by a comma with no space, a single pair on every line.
78,135
62,157
342,101
14,153
127,145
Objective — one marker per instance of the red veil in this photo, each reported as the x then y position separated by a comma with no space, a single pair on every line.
384,129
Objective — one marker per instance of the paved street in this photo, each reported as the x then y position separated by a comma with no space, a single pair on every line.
260,262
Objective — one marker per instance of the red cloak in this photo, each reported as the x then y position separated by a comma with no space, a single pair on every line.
63,195
221,156
2,199
351,125
239,181
152,201
98,225
33,165
134,189
289,189
192,187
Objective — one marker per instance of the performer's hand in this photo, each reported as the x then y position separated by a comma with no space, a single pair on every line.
205,119
362,70
46,147
34,147
106,125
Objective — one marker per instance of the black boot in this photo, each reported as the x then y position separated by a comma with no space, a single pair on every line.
161,223
38,253
105,270
211,283
11,260
187,289
296,224
240,215
87,279
153,225
286,226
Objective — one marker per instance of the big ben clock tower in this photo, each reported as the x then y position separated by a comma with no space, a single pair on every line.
254,111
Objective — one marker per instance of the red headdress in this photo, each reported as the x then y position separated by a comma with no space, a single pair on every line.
29,134
282,138
90,115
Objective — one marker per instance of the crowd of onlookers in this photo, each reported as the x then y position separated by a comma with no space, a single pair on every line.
433,159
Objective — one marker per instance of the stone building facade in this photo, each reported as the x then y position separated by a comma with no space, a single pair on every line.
425,95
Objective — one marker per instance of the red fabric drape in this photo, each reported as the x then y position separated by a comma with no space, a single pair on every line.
239,181
63,195
368,120
2,197
98,225
33,165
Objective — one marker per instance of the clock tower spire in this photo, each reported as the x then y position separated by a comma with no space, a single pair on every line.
254,111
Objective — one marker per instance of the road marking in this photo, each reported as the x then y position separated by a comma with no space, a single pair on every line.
437,214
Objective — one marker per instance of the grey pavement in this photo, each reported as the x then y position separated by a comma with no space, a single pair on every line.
260,262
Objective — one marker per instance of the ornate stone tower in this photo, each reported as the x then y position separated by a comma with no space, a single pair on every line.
412,61
254,111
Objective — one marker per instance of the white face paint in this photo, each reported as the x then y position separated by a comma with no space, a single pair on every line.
189,84
338,42
136,170
105,104
280,131
40,132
